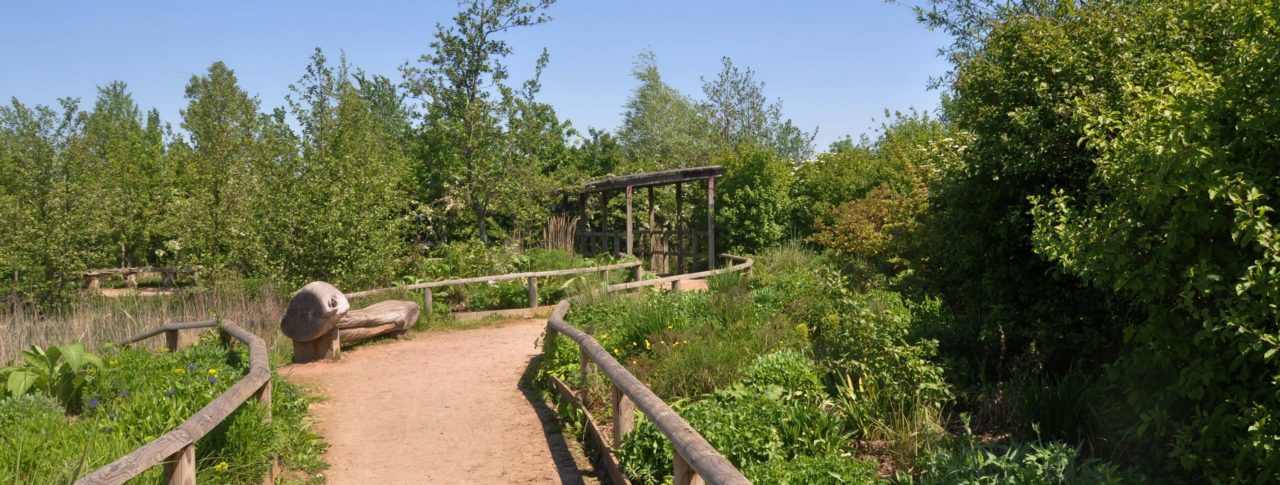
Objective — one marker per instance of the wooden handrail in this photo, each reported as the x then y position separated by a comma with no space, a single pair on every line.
743,264
695,459
176,449
502,277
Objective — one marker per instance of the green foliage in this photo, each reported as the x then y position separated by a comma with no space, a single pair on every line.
740,114
1186,229
350,171
60,372
969,462
486,139
139,395
753,204
787,369
214,218
749,425
804,470
662,128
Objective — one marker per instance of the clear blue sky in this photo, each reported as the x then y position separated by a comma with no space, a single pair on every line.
835,64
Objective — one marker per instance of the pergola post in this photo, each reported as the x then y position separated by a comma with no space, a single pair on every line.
652,236
630,238
604,221
580,233
711,223
680,227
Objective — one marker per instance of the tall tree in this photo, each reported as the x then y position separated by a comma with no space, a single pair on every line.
352,172
468,104
223,123
740,114
48,197
125,150
662,127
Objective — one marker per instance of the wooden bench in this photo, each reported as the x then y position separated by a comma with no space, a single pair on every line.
168,275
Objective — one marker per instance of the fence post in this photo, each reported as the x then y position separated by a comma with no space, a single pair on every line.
171,340
533,292
585,370
180,467
624,413
264,399
637,273
427,300
263,395
683,473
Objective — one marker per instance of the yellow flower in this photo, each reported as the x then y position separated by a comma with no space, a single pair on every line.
213,372
647,345
179,370
113,363
221,466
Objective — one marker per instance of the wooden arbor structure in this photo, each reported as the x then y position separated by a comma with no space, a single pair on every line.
596,237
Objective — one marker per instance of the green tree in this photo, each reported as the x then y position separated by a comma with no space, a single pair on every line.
348,185
739,113
1179,217
473,160
753,202
217,172
49,198
126,152
661,127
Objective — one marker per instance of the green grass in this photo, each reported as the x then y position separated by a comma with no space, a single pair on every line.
141,394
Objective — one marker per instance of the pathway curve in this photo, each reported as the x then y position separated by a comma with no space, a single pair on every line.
444,407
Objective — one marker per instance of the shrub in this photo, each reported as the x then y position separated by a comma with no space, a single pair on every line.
970,463
60,372
787,369
867,337
139,395
753,200
816,470
748,425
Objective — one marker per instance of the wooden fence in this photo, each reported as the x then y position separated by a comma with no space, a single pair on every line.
176,450
695,460
530,277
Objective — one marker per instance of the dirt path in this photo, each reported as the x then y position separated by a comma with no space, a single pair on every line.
444,407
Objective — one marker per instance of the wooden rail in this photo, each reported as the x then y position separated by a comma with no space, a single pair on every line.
695,460
531,283
176,449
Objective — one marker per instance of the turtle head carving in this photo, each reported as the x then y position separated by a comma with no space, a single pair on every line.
313,311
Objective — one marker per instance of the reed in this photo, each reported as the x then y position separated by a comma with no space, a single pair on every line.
93,319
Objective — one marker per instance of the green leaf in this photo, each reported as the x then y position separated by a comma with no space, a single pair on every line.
20,381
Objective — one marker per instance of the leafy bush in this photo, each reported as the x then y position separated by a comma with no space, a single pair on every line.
748,425
753,202
868,337
970,463
806,470
139,395
787,369
60,372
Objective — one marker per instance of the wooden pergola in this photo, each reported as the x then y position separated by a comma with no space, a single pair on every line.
600,238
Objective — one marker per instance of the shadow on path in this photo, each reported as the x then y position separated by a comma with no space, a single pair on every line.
567,465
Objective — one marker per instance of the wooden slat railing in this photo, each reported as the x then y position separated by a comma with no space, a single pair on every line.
531,284
695,460
176,449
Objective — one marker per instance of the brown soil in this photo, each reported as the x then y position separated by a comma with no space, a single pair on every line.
444,407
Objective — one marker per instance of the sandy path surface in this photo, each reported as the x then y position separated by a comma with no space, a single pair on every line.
444,407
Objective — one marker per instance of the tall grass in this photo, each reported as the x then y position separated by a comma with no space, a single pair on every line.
93,319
